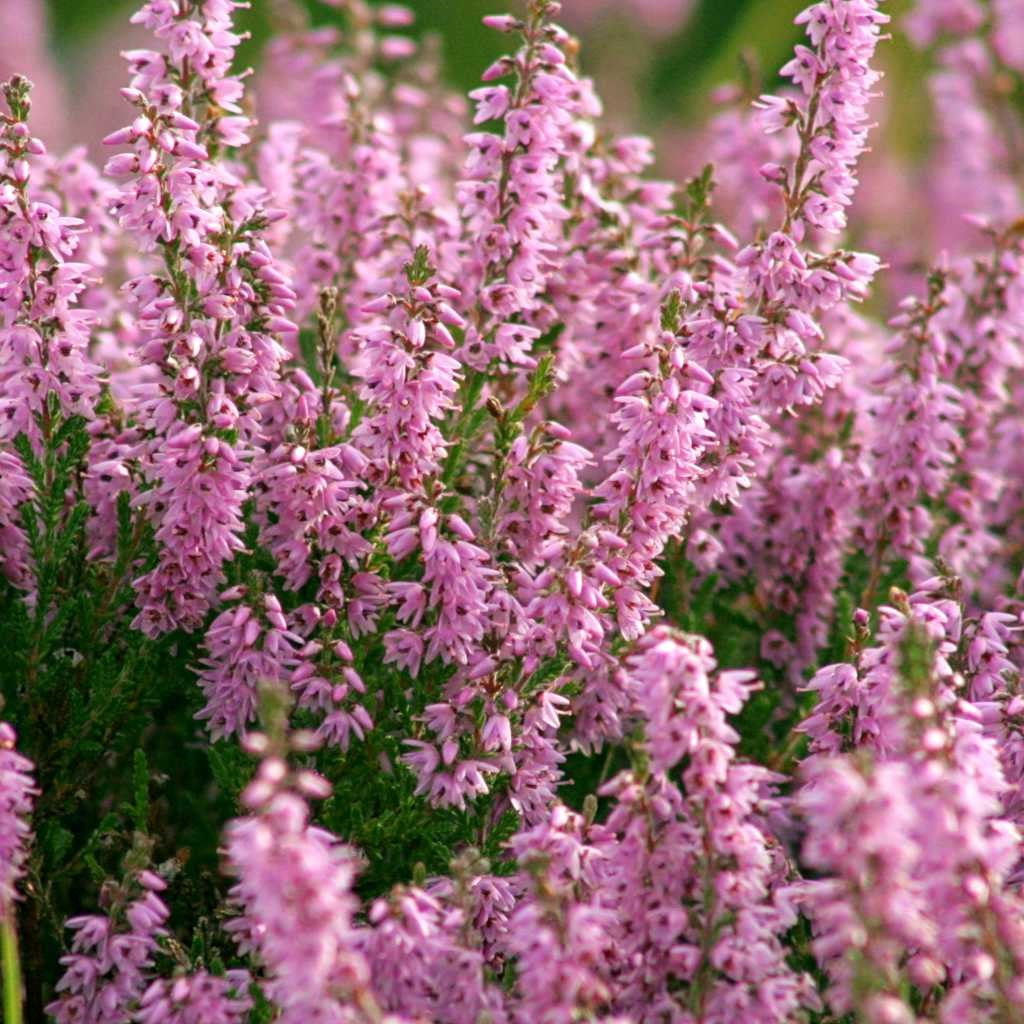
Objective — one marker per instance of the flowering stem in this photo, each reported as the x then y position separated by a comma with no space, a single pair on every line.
11,969
877,564
795,197
701,983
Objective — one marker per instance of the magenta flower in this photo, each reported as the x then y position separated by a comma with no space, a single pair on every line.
107,970
216,342
198,998
294,895
17,793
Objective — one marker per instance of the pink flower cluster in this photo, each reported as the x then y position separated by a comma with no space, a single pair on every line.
450,439
17,793
105,973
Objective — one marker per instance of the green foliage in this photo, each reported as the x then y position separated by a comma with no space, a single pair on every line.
138,810
419,270
715,42
87,691
398,832
587,772
698,194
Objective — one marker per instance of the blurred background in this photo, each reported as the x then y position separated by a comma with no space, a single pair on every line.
656,62
662,67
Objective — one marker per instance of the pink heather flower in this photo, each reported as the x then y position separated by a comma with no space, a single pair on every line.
511,191
560,938
925,821
418,957
447,779
557,951
112,471
755,327
932,18
688,870
739,149
485,902
198,998
404,648
991,649
70,180
312,505
662,416
977,46
345,182
684,717
107,970
15,490
983,363
365,154
326,682
944,396
790,535
542,483
294,892
835,79
860,825
410,379
199,487
24,25
537,759
861,700
1008,33
607,304
459,583
17,793
973,172
543,382
246,645
457,592
43,334
34,367
215,343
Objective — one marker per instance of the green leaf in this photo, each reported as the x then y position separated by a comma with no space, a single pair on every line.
56,842
419,270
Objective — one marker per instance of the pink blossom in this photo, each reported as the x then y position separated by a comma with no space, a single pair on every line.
17,793
106,972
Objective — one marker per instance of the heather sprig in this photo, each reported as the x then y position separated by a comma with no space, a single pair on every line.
17,793
211,317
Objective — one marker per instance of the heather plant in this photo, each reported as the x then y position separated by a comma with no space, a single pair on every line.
448,574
